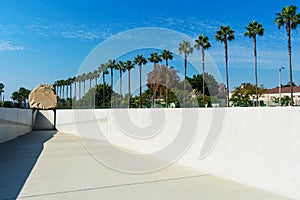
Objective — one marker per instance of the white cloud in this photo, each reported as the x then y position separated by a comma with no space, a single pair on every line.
9,46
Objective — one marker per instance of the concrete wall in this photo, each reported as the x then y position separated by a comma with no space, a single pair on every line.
14,122
255,146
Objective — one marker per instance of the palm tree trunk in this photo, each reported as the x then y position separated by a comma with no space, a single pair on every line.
167,82
288,28
67,91
79,89
255,71
128,88
154,87
203,81
121,85
74,99
111,83
227,81
84,87
184,80
140,86
103,76
60,91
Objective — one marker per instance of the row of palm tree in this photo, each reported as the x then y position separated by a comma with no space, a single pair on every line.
287,18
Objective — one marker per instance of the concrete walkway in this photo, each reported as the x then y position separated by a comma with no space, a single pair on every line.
51,165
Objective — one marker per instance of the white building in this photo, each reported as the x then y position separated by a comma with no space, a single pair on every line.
285,91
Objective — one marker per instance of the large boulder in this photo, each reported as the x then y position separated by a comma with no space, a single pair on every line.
43,97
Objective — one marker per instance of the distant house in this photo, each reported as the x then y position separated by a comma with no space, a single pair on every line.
285,91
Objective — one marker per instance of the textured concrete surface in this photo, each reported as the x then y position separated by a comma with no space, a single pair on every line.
51,165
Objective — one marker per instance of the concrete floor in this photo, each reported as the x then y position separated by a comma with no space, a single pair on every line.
51,165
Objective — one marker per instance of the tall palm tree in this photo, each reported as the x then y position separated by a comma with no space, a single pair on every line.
79,79
96,75
185,49
121,67
111,64
154,58
104,71
202,43
224,35
290,20
90,77
140,61
1,90
67,84
129,65
167,55
73,95
254,29
84,78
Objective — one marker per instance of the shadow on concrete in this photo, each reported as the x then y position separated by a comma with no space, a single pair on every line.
17,159
43,120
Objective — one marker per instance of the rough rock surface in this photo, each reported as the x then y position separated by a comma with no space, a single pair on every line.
43,97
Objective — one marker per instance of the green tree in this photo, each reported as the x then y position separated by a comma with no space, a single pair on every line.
224,35
202,43
21,96
140,61
129,65
185,49
167,55
244,95
154,58
290,19
211,86
254,29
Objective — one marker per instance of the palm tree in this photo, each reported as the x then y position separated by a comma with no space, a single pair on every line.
290,20
140,60
155,58
1,90
90,77
254,29
129,65
167,55
103,69
79,79
202,43
186,49
112,65
67,84
84,78
224,35
96,75
121,67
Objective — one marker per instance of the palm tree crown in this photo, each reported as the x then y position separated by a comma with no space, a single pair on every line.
202,42
167,55
253,29
288,17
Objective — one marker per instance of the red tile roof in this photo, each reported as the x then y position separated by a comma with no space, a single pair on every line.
283,90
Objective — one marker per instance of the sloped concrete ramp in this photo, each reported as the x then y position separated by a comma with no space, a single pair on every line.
55,165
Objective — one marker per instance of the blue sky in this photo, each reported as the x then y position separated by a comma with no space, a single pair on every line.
44,41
